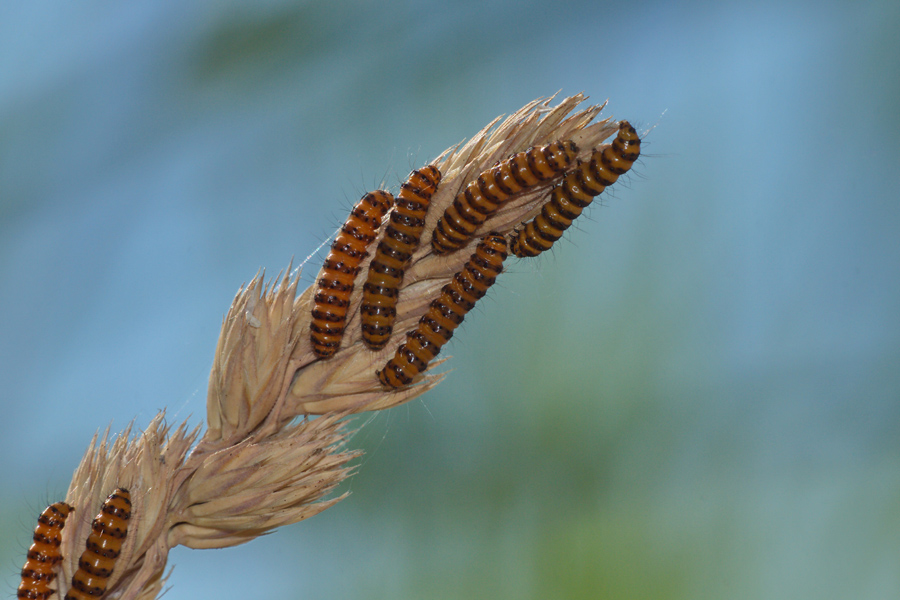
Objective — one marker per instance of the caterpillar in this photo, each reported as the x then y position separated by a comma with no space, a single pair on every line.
483,197
44,554
446,312
103,546
576,191
341,267
401,238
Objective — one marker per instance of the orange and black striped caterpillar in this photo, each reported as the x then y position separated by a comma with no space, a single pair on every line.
339,272
103,546
44,554
483,197
382,287
576,191
446,312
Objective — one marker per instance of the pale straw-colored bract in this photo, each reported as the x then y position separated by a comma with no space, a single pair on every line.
263,461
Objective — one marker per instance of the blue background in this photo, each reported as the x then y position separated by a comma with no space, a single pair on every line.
695,395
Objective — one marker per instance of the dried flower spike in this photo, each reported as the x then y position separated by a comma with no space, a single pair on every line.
257,466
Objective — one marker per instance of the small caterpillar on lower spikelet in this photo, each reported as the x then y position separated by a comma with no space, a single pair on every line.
44,554
103,546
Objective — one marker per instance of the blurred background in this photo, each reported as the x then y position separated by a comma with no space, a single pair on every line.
695,395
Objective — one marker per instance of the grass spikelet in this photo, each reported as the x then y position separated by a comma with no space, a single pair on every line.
251,359
146,465
242,491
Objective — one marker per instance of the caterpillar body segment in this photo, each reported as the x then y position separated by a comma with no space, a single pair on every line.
401,238
44,554
482,197
102,549
350,247
446,312
576,191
